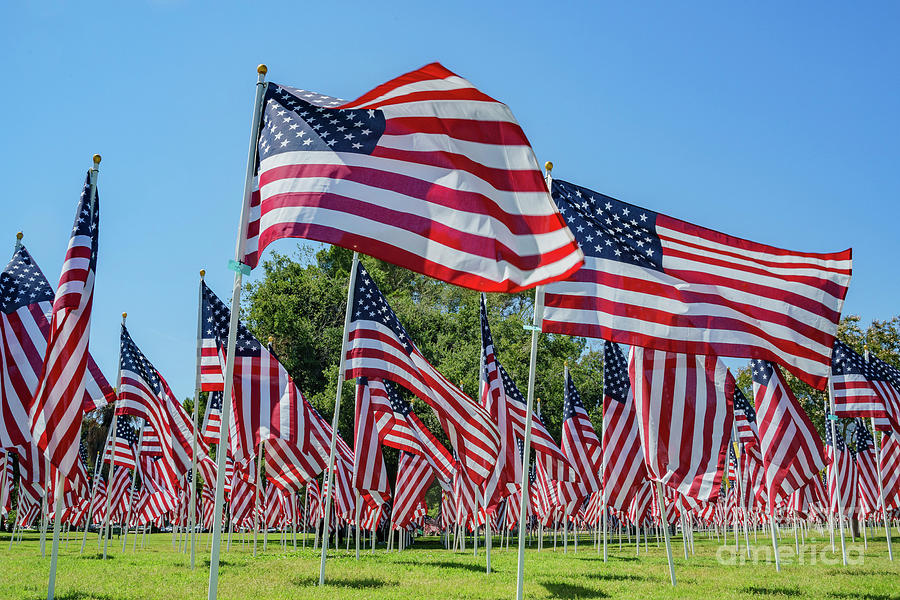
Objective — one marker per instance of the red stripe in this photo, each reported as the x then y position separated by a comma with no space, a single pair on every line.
495,133
433,70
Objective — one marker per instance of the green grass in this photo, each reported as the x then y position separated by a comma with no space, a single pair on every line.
428,571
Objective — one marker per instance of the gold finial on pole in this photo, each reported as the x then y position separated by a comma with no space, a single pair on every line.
124,316
565,363
96,160
548,166
262,69
202,273
19,236
271,339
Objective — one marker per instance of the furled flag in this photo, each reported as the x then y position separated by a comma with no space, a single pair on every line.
55,414
791,450
885,379
144,393
624,468
842,475
654,281
122,446
867,467
890,469
582,447
507,405
854,394
380,348
369,470
425,172
414,477
150,444
212,418
267,404
25,310
685,411
744,419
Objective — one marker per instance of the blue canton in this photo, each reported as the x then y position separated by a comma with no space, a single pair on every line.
571,399
22,283
742,404
216,323
299,120
369,304
398,404
844,361
608,228
134,360
616,384
87,220
762,371
864,439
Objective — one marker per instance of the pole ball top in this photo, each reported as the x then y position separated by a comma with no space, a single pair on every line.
19,236
202,272
548,166
96,159
262,69
124,315
271,339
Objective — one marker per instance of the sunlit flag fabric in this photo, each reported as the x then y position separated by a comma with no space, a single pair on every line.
744,419
654,281
122,446
414,477
212,418
25,309
267,404
369,470
885,378
624,467
842,474
425,172
790,446
380,348
150,444
867,467
685,412
854,394
582,447
890,470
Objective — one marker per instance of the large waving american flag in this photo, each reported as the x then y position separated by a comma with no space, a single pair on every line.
885,378
791,450
624,468
685,412
654,281
55,414
890,469
25,309
842,475
414,477
867,467
425,171
380,348
854,393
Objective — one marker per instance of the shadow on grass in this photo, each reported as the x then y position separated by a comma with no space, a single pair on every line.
572,590
446,564
617,577
227,563
858,596
358,583
758,590
76,595
97,556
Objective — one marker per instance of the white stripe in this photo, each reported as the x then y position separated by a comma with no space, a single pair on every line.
494,156
426,85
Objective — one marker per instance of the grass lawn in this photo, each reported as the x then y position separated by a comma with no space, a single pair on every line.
426,570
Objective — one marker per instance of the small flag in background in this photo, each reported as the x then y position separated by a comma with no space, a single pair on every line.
654,281
425,172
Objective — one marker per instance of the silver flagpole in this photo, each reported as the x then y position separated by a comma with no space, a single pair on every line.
137,456
836,471
484,499
98,462
740,491
329,476
192,517
523,504
239,269
112,454
887,527
665,527
256,497
604,457
60,483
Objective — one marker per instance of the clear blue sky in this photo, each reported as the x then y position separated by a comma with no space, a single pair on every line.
777,122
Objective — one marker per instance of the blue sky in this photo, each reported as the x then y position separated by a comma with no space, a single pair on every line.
777,122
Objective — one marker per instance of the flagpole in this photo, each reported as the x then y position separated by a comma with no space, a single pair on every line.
239,270
604,459
256,497
836,474
134,475
98,462
665,527
329,476
887,527
193,502
526,458
112,455
484,499
60,483
740,491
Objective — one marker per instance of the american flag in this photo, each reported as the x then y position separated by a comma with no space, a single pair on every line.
511,406
404,430
639,508
380,348
55,414
744,418
685,411
242,499
119,492
854,394
290,467
624,466
369,470
150,444
98,505
791,450
424,171
266,401
122,445
753,477
890,470
212,417
867,467
548,494
582,447
842,475
654,281
313,503
414,477
6,477
885,378
25,308
144,393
